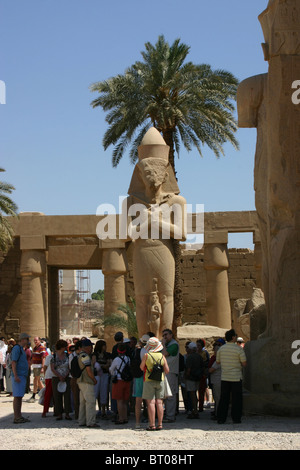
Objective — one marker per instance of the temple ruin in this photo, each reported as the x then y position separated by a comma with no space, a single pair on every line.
213,277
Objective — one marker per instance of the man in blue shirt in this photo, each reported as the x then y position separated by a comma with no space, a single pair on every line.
19,367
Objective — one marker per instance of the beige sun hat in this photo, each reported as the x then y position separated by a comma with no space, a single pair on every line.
144,338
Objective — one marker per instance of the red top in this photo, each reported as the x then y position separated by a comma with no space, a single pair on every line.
38,353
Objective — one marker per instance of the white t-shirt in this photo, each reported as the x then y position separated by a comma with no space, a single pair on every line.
118,365
49,374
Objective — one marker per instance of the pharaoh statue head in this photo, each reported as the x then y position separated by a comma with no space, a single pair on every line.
153,168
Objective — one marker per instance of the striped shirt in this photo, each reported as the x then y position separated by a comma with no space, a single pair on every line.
38,353
231,356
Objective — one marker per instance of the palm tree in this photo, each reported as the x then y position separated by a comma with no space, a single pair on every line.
7,208
185,102
125,322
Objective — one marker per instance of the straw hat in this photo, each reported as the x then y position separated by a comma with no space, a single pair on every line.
144,338
153,345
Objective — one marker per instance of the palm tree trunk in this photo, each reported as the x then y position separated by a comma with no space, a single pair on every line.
168,138
178,293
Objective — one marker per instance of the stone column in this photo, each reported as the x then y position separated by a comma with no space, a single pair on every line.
272,374
216,264
33,271
114,269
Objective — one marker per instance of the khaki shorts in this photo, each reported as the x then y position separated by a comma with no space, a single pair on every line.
36,371
153,390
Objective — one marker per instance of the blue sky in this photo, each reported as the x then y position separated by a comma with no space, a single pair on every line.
51,138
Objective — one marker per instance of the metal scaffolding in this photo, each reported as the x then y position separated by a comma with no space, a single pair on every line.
81,293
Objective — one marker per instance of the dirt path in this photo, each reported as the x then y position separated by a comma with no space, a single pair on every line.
254,433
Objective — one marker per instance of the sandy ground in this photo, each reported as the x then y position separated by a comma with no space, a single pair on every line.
254,433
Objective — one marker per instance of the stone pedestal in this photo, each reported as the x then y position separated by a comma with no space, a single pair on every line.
271,380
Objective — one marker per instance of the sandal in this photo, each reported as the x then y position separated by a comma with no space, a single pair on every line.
159,427
21,420
151,428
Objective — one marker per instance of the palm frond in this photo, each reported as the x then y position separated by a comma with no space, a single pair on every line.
127,323
7,208
191,102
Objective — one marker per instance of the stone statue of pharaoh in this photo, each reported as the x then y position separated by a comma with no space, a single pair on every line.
156,215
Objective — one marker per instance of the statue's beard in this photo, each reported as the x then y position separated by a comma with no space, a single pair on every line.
154,185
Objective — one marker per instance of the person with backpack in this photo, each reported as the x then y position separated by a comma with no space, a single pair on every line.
121,382
155,366
19,366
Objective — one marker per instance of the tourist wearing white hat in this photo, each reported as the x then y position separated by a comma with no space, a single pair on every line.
154,388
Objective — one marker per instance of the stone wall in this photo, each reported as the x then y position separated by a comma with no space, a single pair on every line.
10,291
241,275
193,286
44,244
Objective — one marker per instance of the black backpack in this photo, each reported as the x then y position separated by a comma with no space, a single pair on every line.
126,374
135,364
157,371
75,369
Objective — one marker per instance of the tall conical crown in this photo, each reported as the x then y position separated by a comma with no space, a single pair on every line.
153,146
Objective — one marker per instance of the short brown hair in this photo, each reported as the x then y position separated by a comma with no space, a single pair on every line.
61,343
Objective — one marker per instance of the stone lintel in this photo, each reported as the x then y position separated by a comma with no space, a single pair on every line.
111,244
75,256
233,221
85,225
33,242
215,237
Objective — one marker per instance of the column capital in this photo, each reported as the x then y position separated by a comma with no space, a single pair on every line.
114,261
33,263
216,256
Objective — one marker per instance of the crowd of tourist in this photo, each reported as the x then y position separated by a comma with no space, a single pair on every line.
142,376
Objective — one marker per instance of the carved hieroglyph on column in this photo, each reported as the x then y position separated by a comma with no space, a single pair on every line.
157,214
265,101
